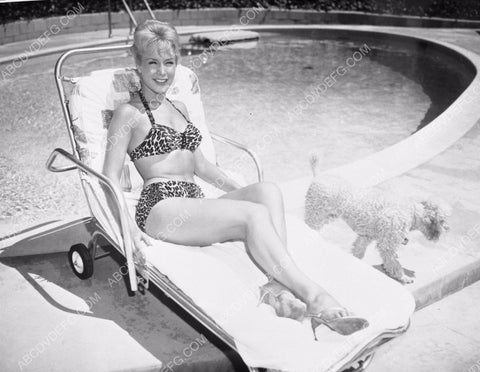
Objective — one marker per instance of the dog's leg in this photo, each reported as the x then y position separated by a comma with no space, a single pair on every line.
391,263
360,246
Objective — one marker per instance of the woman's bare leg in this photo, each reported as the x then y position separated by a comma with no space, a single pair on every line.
269,195
210,221
276,295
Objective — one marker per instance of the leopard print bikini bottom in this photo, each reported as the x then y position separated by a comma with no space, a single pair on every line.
154,192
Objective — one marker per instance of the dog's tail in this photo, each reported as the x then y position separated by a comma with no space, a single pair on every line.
314,163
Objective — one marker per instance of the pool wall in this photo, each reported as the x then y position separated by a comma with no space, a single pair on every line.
437,136
75,23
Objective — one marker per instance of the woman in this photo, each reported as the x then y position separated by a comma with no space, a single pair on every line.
163,144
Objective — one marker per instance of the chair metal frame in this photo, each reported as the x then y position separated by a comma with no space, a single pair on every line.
130,13
363,358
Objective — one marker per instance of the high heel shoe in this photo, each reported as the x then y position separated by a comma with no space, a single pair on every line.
345,325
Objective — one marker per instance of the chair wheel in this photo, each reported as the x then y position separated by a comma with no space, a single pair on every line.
81,261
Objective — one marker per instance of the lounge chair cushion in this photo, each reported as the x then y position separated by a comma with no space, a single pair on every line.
224,282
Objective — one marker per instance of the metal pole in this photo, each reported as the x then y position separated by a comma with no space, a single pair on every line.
131,28
109,19
130,14
149,9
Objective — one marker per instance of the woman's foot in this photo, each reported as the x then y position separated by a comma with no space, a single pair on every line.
286,305
328,306
344,325
334,316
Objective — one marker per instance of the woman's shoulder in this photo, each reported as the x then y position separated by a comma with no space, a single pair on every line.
123,115
127,108
126,111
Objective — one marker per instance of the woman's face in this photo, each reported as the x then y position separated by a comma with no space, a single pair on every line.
157,69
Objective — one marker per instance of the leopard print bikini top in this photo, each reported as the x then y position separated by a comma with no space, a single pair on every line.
162,139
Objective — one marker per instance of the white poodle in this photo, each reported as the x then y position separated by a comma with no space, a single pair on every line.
373,216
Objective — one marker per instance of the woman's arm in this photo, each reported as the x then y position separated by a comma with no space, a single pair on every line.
212,174
118,137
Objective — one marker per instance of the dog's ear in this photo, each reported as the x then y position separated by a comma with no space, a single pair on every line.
434,218
429,205
438,213
427,216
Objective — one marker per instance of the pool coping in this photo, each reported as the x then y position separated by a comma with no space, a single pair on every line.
434,138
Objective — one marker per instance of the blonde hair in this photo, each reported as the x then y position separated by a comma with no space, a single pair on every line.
157,34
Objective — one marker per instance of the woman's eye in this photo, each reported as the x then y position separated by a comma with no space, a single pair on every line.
152,63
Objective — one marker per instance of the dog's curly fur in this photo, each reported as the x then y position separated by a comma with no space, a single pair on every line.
373,216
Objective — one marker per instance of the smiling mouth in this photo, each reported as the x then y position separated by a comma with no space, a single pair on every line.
161,81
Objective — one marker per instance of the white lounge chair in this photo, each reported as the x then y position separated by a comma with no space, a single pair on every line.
218,284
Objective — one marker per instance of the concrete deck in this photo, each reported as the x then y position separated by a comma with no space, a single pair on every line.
55,322
443,337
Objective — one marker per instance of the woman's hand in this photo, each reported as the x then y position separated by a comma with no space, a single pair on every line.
140,241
